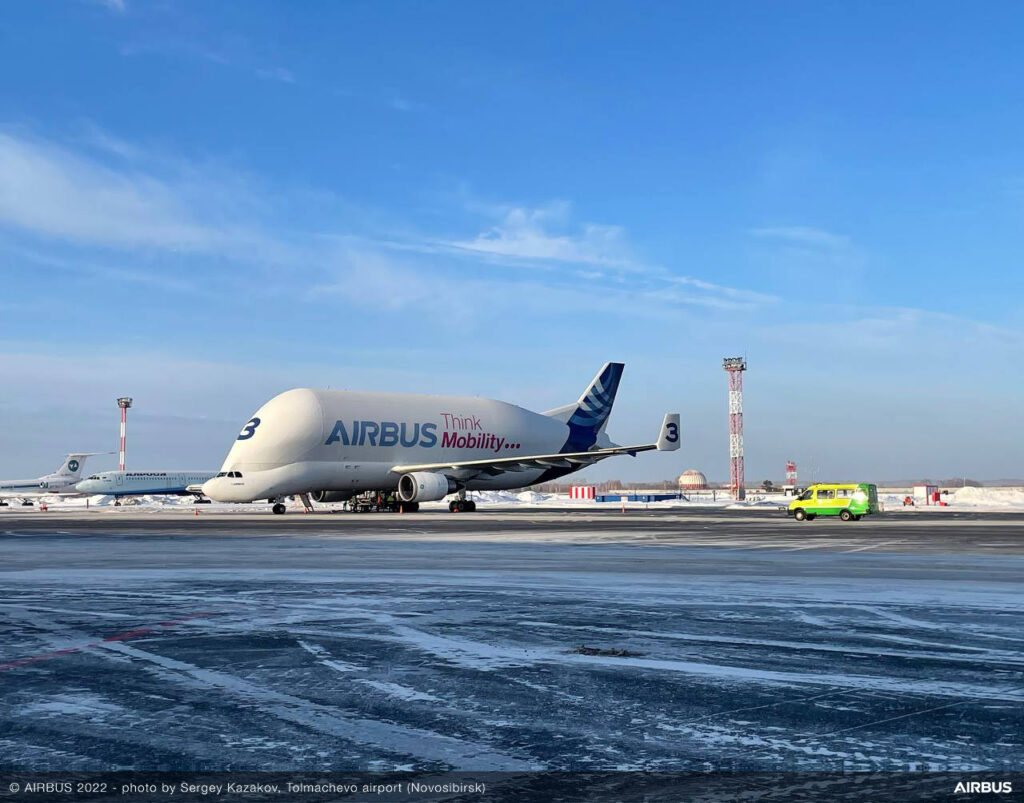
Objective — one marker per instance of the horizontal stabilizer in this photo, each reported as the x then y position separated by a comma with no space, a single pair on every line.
668,440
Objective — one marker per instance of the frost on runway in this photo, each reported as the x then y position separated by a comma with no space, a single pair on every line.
309,652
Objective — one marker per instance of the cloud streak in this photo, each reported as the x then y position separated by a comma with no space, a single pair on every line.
119,198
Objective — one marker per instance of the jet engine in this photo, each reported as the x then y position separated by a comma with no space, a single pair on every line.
424,486
331,496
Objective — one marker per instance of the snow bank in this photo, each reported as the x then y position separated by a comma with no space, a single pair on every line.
992,498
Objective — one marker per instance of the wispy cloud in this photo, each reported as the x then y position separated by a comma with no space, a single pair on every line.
117,6
805,236
276,74
152,203
547,234
51,191
119,200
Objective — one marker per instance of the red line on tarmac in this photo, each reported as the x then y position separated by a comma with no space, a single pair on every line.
128,634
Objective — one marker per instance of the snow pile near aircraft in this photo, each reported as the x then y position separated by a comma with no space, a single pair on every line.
988,498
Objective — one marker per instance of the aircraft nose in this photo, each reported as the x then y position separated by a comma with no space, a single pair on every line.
215,489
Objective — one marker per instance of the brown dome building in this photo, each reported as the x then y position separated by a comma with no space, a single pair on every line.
692,480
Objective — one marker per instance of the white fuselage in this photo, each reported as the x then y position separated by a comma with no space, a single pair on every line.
329,440
139,483
48,485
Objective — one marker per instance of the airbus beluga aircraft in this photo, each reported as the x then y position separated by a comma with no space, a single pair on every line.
334,444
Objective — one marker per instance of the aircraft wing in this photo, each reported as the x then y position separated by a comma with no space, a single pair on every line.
668,440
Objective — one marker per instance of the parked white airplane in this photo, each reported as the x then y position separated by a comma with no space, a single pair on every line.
138,483
335,444
60,482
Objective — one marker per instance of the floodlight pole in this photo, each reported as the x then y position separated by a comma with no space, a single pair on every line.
124,403
735,366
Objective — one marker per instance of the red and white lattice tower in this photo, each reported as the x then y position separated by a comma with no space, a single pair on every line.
791,473
735,366
124,403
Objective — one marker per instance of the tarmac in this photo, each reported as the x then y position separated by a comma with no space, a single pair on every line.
510,640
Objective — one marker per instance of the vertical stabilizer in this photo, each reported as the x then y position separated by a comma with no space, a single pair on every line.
73,464
588,417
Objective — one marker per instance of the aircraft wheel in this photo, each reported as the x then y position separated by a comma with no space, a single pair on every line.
410,507
471,506
845,515
856,518
26,503
278,508
799,514
451,506
812,516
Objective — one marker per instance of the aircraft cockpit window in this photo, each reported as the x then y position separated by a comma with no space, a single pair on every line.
222,474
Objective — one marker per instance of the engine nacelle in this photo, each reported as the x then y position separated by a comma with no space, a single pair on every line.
424,486
331,496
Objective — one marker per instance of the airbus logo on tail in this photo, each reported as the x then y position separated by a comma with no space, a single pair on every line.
383,433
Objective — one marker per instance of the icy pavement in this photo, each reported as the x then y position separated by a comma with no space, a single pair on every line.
270,652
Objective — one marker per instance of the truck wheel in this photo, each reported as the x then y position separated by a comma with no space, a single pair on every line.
845,515
799,514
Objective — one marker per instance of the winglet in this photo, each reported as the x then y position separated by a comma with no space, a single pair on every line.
668,438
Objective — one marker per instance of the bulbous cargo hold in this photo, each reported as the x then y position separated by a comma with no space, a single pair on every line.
336,444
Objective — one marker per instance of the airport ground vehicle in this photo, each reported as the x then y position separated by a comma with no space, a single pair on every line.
849,501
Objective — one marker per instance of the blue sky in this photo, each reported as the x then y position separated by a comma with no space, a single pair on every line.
203,204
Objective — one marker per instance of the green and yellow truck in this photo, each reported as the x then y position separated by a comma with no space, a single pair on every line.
849,501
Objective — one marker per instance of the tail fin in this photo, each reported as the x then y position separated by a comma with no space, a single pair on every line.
589,415
73,464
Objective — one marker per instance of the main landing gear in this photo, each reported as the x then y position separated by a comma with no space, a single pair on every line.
462,504
278,508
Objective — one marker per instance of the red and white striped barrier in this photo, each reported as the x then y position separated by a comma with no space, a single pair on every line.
582,492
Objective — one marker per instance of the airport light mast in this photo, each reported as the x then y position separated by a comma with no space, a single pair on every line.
124,403
735,366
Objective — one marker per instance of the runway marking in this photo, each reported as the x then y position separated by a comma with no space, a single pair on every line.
874,546
128,634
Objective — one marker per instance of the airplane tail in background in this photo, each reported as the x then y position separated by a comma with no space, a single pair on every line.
73,464
588,417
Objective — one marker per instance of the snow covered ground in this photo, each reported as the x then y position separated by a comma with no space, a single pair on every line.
317,652
978,500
